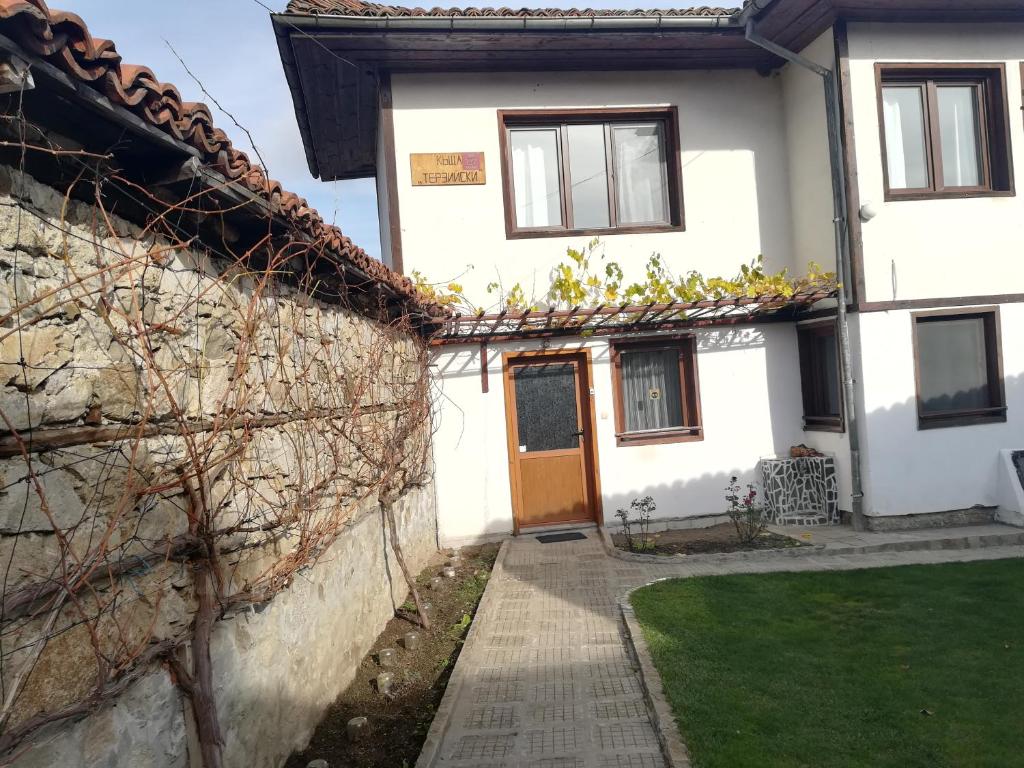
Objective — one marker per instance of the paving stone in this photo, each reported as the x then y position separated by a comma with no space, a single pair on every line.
502,716
626,736
552,740
632,761
558,762
490,745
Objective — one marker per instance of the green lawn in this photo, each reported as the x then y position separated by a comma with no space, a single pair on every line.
913,666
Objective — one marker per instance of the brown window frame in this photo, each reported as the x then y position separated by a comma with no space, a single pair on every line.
812,382
994,365
561,119
689,389
989,80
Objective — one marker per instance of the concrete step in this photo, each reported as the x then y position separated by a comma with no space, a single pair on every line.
948,541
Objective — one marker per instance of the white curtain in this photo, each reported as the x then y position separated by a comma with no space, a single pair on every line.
651,395
893,119
535,178
903,121
959,126
640,174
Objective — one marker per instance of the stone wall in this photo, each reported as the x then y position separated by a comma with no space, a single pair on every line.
277,669
204,400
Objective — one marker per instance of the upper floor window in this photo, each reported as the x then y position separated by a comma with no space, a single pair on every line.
590,172
944,130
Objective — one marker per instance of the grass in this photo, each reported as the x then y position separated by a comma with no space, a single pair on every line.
912,667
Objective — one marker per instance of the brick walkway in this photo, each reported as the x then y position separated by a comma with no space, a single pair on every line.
546,679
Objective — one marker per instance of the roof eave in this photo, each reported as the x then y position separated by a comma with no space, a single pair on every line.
291,27
281,23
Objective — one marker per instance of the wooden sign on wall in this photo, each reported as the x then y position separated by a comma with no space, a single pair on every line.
442,169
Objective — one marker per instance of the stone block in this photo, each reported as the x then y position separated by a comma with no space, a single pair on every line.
145,728
22,505
43,350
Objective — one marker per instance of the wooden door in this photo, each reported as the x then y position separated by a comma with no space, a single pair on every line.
548,446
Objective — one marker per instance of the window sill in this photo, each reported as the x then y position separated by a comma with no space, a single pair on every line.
825,426
970,419
657,438
895,197
523,234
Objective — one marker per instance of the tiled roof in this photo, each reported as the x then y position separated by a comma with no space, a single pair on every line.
358,8
63,39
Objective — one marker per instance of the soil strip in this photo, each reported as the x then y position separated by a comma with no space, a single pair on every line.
398,723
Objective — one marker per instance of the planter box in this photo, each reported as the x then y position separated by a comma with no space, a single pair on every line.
800,491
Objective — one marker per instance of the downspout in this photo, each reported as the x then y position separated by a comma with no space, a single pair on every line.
840,224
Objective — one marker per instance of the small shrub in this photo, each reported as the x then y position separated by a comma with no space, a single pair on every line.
747,516
643,508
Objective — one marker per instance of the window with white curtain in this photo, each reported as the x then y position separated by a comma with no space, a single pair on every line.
958,370
591,171
944,130
655,383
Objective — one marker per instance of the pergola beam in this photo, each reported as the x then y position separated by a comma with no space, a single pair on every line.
604,320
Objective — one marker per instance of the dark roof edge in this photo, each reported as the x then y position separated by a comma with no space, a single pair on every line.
305,22
280,22
368,8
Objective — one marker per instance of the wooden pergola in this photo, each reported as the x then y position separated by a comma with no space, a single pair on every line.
605,320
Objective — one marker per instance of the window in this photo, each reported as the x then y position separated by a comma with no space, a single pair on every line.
819,377
590,171
944,131
959,370
656,395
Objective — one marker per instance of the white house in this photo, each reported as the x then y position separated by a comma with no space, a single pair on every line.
499,138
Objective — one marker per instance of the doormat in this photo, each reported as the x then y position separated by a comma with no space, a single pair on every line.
551,538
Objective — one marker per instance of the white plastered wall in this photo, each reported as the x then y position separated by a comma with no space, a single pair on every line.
936,248
911,471
735,184
933,249
810,174
750,404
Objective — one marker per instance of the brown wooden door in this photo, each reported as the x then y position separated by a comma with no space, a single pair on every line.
548,446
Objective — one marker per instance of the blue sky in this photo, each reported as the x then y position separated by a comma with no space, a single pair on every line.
229,46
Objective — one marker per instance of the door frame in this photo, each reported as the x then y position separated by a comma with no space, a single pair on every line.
585,397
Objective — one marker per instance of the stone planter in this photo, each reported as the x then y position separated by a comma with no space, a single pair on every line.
800,491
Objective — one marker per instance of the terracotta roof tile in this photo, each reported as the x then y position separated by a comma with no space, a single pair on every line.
63,39
358,8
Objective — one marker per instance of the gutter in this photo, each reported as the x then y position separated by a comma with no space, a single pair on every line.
507,23
839,209
750,10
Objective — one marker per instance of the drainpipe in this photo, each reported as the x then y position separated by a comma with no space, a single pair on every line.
840,224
